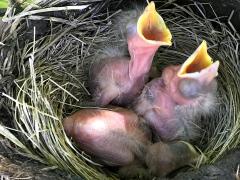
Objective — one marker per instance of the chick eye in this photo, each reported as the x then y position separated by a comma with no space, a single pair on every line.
149,94
190,88
131,28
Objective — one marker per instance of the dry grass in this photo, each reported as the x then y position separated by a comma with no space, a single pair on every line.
51,74
9,170
237,173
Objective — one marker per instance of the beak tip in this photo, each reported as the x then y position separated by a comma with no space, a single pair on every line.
204,42
151,6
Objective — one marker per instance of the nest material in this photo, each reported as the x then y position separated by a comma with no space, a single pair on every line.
50,69
29,170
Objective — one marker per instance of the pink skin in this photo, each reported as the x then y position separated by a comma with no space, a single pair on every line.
173,108
113,136
118,137
119,80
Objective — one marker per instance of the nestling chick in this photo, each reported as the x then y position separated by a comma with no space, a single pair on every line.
116,137
163,158
173,104
120,79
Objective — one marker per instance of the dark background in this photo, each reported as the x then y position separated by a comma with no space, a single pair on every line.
222,8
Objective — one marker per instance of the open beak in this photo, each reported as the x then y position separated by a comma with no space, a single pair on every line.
199,66
152,28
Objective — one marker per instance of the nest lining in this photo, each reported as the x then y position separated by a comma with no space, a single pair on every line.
51,74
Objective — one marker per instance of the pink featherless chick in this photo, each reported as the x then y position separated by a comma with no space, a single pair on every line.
115,136
174,103
118,137
120,79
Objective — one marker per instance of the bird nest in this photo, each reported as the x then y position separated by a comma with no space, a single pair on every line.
45,55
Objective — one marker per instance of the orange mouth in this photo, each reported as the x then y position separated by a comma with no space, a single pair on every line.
152,28
197,62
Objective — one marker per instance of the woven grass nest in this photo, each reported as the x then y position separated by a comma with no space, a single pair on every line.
44,71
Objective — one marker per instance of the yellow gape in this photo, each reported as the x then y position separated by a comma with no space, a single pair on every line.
152,28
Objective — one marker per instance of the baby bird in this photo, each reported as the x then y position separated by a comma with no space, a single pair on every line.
118,137
173,104
120,79
163,158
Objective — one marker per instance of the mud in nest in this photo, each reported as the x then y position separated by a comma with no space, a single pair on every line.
46,51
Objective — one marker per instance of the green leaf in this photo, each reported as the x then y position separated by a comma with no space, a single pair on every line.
3,4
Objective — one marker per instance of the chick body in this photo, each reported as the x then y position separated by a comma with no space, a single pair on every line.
118,137
173,105
119,79
112,136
